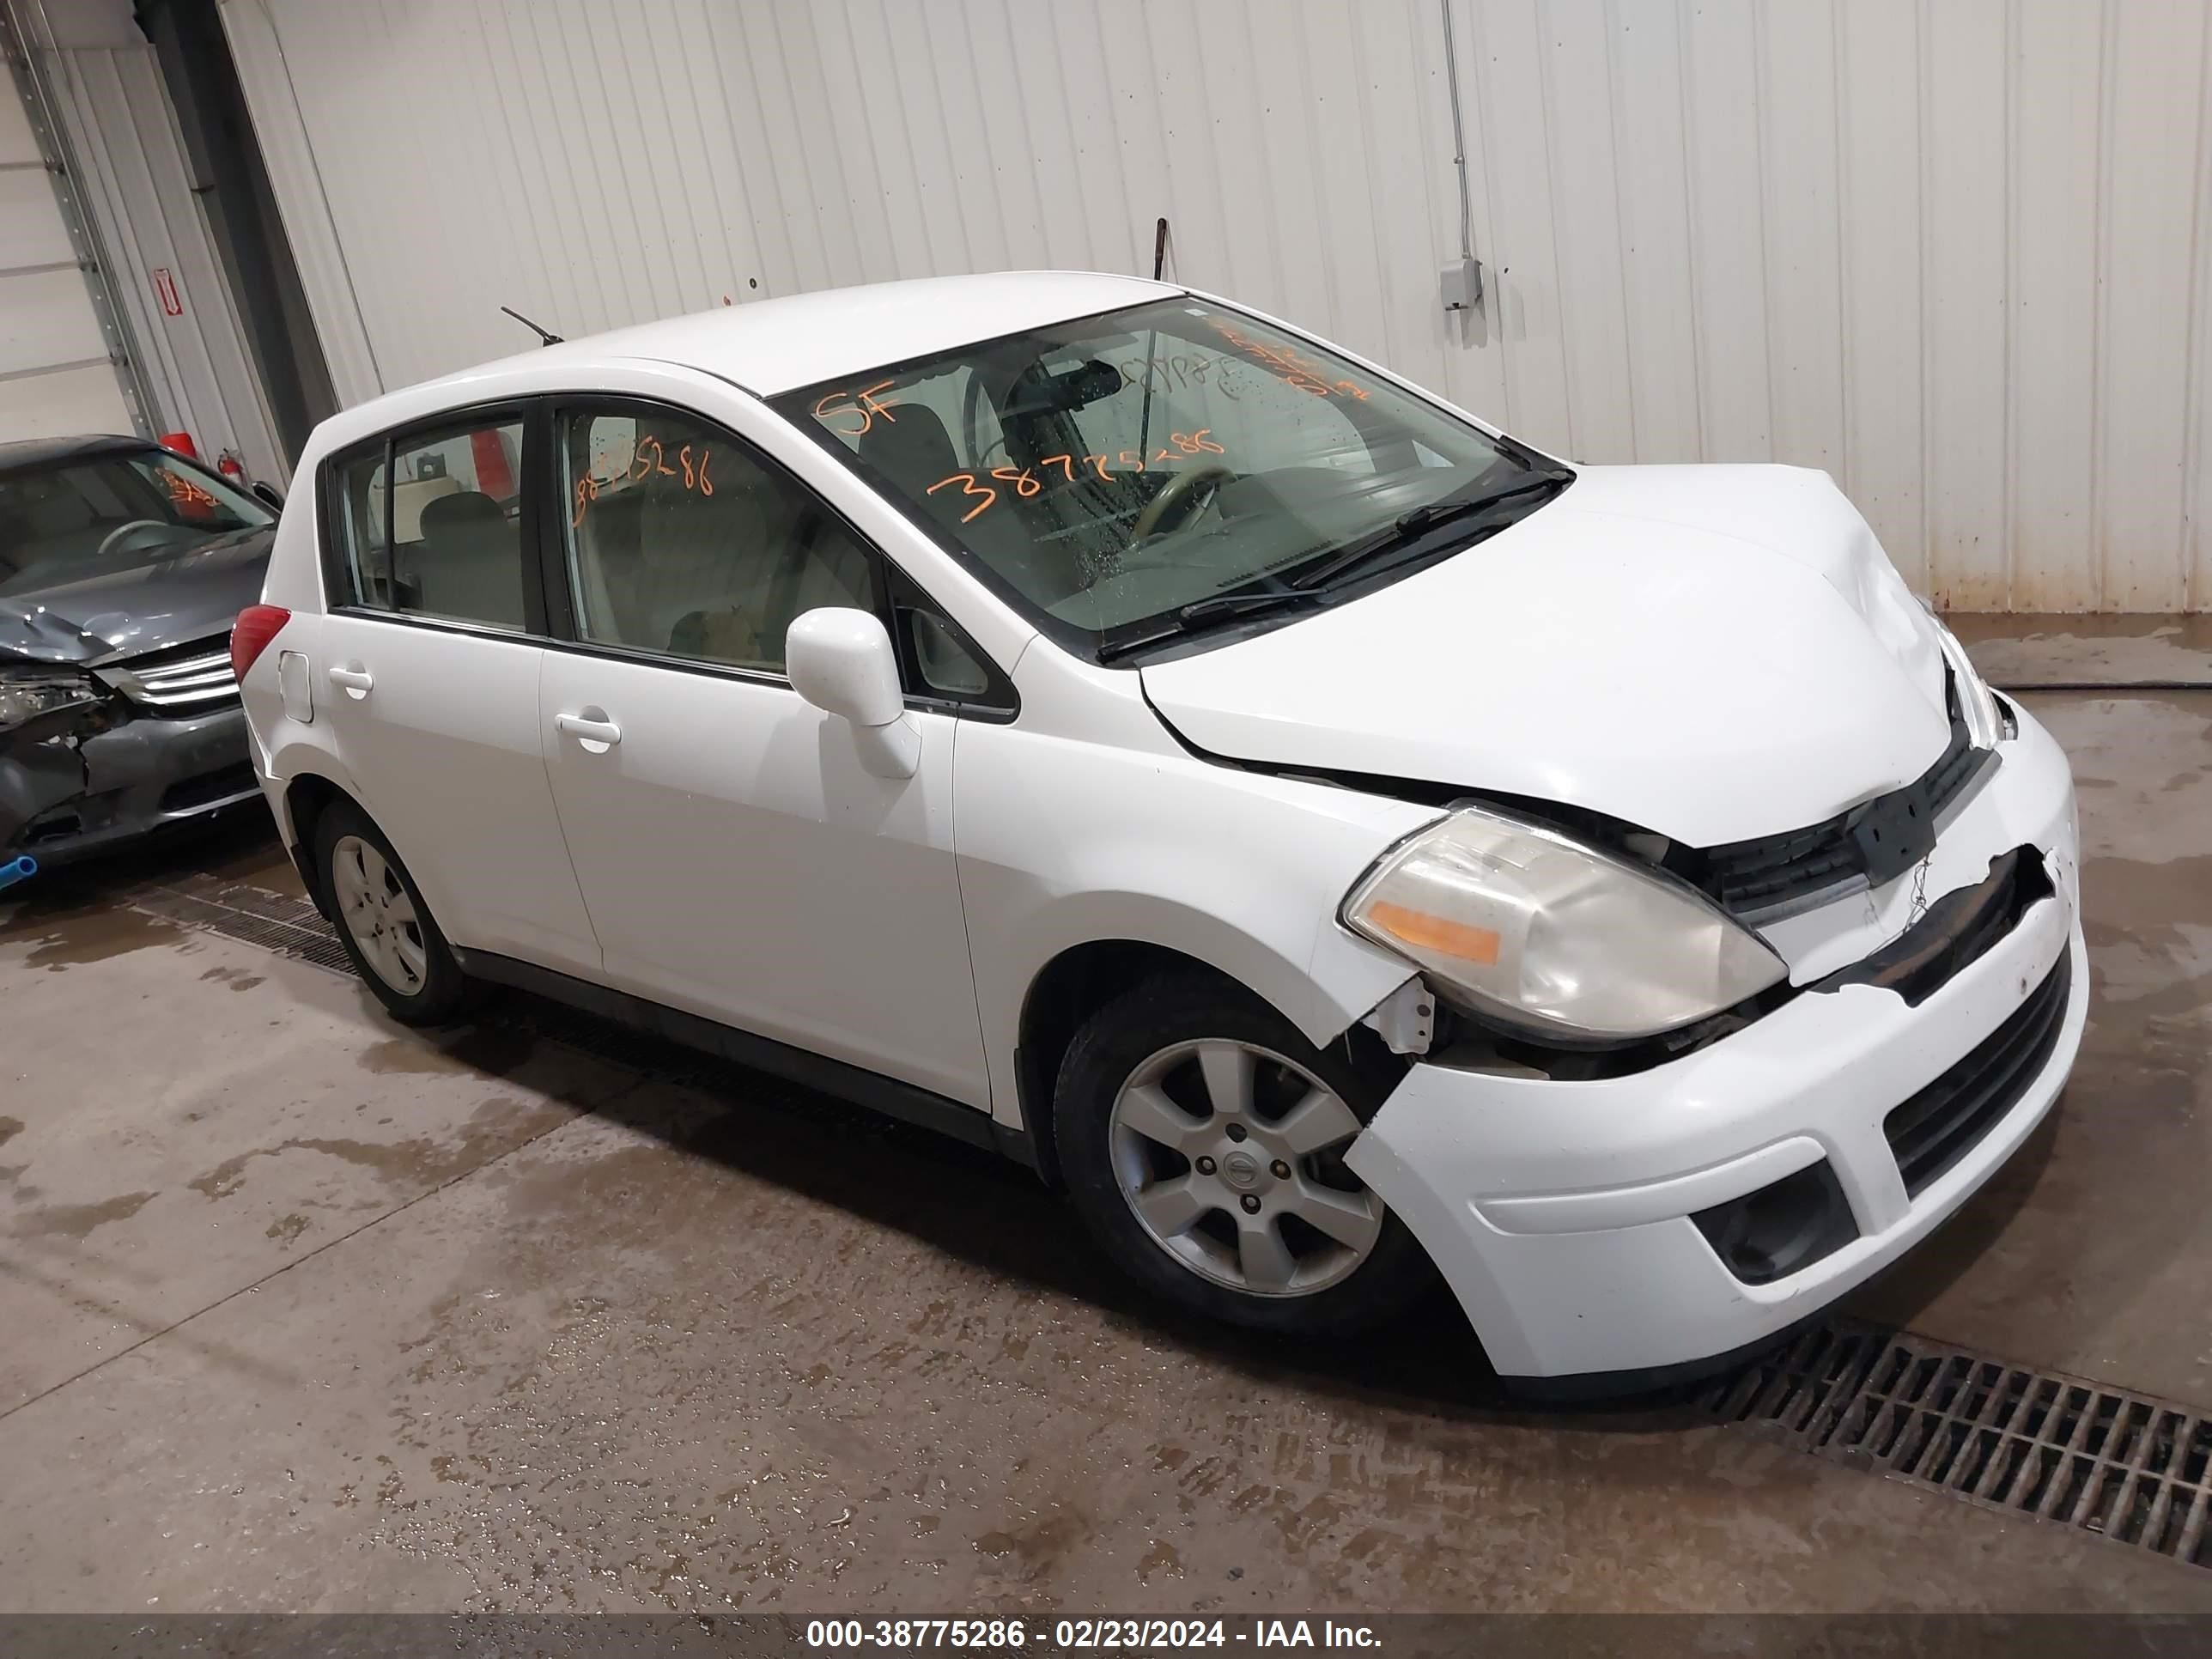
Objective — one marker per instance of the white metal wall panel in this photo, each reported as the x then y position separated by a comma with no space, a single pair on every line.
1950,251
1970,385
296,179
55,375
1883,434
2058,106
127,173
2154,85
132,176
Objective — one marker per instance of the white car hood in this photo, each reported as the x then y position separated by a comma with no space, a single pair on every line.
1713,653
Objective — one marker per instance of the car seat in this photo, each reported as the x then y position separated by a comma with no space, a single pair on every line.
469,562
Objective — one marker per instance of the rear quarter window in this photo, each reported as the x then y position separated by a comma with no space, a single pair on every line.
429,523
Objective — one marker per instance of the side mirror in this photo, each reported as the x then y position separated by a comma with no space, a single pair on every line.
841,661
271,497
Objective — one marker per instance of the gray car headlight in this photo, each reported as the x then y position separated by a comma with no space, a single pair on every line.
1535,929
26,694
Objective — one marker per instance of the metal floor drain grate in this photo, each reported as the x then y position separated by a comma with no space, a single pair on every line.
274,921
2008,1439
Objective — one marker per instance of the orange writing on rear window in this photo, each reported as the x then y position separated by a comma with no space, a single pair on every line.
649,459
1025,483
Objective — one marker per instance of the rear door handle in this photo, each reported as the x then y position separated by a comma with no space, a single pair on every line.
590,727
351,678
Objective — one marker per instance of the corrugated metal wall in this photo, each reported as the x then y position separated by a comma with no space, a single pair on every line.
130,175
1949,250
134,176
63,352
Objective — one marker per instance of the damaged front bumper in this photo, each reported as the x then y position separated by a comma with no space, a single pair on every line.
67,793
1616,1232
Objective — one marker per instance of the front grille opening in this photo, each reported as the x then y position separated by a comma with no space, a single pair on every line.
1772,876
1930,1132
1782,1228
180,682
2003,1438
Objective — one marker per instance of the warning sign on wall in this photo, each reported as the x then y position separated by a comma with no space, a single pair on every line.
165,290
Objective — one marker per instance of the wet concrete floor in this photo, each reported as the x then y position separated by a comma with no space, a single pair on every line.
304,1311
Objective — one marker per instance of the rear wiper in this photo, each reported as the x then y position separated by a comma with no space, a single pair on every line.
1416,522
1192,618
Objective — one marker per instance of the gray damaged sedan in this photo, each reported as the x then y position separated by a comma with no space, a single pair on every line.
121,567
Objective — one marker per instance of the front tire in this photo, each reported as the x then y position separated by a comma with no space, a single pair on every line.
386,926
1202,1140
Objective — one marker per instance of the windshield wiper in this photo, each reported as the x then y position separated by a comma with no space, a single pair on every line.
1192,618
1527,459
1411,525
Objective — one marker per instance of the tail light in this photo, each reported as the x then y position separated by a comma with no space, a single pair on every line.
250,635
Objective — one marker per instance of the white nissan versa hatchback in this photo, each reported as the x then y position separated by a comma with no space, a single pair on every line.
1330,838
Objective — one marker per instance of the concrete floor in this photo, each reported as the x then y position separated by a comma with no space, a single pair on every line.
305,1312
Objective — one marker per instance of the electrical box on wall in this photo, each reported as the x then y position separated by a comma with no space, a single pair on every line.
1462,280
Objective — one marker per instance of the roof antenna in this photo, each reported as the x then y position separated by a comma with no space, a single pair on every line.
544,337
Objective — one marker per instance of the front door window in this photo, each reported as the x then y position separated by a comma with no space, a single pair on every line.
680,543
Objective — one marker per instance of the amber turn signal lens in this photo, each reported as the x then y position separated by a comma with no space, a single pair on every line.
1428,932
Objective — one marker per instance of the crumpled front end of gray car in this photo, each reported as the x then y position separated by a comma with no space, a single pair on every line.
109,752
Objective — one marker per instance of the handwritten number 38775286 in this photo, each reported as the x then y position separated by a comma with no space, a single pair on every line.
691,466
1025,483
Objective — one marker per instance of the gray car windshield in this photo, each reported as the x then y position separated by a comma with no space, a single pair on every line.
67,521
1110,472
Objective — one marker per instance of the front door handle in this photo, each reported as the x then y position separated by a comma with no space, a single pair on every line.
352,679
591,727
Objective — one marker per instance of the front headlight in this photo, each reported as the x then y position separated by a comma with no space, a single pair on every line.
1985,721
26,694
1533,929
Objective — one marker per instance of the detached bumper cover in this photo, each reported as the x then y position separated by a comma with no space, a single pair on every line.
1560,1212
126,781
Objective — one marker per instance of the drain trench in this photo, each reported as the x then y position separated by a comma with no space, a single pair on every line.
2003,1437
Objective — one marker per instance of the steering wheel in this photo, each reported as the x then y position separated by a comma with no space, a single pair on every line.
1176,491
108,541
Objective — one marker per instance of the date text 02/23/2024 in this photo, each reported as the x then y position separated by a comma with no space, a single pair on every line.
1079,1634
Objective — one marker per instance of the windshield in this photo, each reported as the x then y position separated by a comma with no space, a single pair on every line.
1117,469
112,511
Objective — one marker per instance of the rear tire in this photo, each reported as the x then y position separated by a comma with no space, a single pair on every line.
388,930
1201,1138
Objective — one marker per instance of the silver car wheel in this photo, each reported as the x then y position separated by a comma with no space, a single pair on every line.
1217,1144
378,915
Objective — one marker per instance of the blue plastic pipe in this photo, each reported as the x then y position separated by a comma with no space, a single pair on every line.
22,869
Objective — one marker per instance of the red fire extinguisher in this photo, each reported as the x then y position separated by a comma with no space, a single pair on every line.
232,467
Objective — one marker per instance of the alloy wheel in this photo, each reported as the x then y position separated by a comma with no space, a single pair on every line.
1229,1156
378,915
